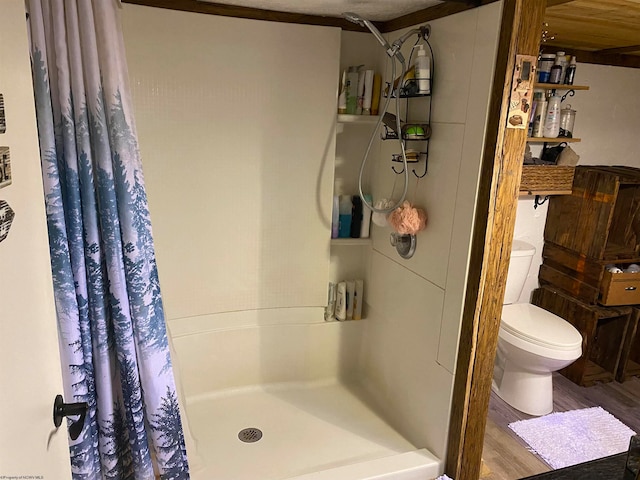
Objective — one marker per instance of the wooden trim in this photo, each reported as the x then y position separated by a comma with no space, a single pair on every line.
196,6
438,11
491,244
627,49
428,14
598,58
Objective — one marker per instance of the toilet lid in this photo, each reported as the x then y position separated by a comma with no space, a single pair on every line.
536,325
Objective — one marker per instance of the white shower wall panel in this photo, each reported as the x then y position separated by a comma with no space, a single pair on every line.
413,324
226,358
236,126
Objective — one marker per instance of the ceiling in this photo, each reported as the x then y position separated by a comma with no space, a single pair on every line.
596,31
604,27
375,10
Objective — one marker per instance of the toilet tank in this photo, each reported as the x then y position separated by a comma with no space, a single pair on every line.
521,256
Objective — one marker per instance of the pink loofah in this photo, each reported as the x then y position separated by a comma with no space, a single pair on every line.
407,220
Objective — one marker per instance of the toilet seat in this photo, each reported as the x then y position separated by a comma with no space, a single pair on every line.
536,325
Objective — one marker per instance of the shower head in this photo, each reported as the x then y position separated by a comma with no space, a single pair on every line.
354,18
363,22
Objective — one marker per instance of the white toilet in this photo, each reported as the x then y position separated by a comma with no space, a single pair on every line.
532,343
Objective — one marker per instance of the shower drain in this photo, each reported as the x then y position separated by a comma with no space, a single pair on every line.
250,435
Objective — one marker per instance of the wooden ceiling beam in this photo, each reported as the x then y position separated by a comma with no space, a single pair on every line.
598,58
207,8
627,49
448,7
428,14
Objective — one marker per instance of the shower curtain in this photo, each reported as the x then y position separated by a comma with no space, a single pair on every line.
112,332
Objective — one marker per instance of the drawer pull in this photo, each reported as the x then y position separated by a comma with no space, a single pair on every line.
630,288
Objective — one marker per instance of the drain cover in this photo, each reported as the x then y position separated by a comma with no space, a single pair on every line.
250,435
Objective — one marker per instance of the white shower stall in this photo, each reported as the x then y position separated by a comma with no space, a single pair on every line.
236,121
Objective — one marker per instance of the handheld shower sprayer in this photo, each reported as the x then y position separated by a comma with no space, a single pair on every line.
392,51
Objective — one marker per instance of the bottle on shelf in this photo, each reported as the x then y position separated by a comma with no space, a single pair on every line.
551,127
555,76
571,72
540,113
423,71
544,67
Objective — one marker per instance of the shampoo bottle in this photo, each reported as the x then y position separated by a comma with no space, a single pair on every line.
345,216
423,71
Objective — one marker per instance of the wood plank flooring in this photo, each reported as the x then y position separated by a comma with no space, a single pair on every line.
506,456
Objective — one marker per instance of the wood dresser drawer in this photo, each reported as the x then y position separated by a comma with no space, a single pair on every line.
620,289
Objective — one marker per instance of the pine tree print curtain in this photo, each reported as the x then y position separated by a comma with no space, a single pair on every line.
110,319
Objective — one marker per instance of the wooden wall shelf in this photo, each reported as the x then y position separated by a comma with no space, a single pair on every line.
560,86
552,140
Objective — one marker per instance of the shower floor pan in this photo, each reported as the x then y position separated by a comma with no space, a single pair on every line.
318,431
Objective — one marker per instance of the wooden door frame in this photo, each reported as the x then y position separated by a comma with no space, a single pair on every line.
496,205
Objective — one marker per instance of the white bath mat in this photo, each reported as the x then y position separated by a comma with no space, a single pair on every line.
576,436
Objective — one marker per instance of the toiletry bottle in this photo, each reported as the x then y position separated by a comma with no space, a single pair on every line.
358,300
538,122
423,71
356,217
335,217
342,98
341,302
351,293
345,216
352,90
552,118
368,92
556,72
330,310
360,102
562,57
544,66
375,100
571,72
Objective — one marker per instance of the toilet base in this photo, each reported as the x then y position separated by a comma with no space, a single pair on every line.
531,393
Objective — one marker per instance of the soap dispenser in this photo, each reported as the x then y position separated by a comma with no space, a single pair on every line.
423,71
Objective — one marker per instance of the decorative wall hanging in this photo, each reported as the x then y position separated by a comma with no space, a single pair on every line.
5,167
6,218
521,92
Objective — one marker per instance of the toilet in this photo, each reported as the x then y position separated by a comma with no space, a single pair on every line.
532,343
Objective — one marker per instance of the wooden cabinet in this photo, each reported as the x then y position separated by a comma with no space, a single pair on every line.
597,225
603,331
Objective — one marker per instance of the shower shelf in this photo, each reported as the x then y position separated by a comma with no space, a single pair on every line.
352,242
411,132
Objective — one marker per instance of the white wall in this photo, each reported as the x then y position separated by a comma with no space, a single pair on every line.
236,127
415,305
608,124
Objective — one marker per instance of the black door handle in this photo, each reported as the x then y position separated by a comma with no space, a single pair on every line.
61,410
